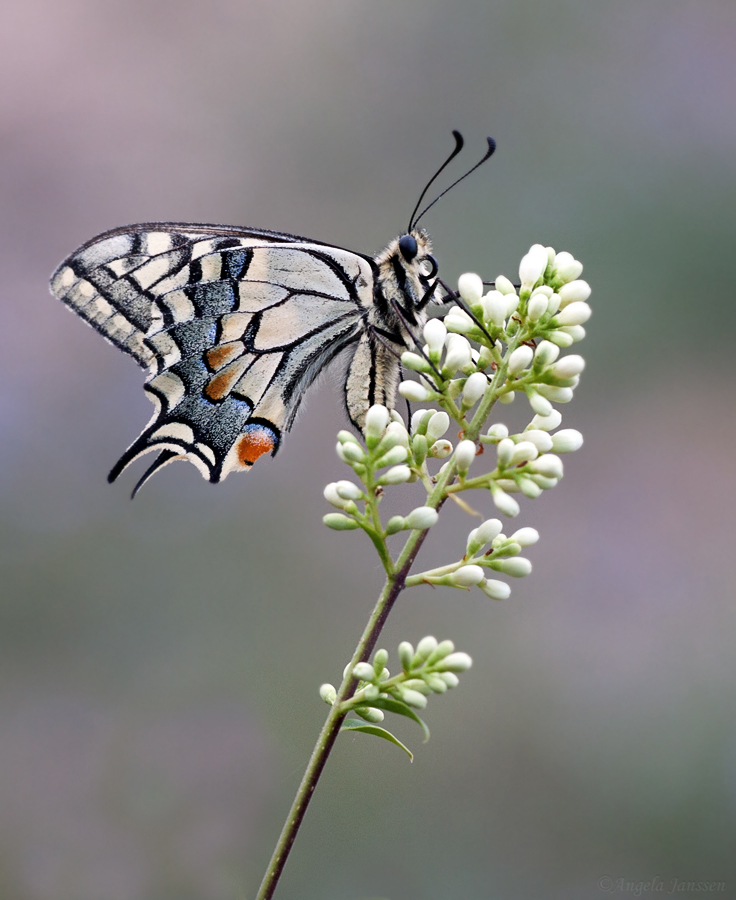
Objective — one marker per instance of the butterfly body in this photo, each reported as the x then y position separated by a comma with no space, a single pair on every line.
233,325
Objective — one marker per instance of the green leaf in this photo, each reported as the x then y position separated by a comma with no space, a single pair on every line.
391,704
357,725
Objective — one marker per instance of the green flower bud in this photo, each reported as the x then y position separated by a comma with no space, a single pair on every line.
435,683
371,692
339,522
395,524
425,648
394,456
528,487
420,448
443,649
369,714
380,659
450,679
561,338
406,655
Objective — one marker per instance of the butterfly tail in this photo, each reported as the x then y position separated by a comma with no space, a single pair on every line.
163,459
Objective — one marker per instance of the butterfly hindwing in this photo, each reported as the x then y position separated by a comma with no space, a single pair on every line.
233,324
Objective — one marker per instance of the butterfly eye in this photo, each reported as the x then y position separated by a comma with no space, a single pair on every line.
408,247
432,263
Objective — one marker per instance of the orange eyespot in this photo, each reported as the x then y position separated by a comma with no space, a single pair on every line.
254,443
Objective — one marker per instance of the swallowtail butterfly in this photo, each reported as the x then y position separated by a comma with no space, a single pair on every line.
233,325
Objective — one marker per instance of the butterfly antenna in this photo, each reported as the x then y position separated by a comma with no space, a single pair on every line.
489,154
459,141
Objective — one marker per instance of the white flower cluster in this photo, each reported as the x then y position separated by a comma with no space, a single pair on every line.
387,447
502,556
430,669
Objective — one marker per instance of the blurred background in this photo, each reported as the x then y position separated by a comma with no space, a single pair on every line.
159,660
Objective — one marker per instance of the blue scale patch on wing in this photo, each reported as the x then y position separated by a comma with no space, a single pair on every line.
233,325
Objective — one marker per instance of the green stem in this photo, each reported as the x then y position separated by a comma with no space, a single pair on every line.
331,728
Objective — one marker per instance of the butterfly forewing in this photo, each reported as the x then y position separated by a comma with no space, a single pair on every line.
233,325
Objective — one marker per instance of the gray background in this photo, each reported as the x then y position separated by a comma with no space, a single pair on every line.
159,660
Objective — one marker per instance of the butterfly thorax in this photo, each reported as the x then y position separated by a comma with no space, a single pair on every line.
402,284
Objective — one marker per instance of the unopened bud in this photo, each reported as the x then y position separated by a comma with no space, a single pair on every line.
520,359
532,265
464,455
328,693
574,292
496,590
413,391
474,388
470,287
421,518
576,313
567,441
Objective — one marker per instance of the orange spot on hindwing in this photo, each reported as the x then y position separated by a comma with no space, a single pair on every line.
254,442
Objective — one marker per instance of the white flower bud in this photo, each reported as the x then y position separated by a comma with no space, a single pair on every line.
437,426
413,391
364,671
550,255
546,353
458,321
467,576
561,338
494,307
523,452
576,332
395,455
568,268
504,285
532,265
347,490
441,449
350,453
419,420
525,537
520,359
396,475
421,518
425,648
537,307
574,292
512,304
474,388
435,334
489,530
505,450
470,287
568,367
540,405
517,566
548,465
458,354
529,488
545,483
396,433
464,455
376,420
574,314
555,394
507,398
371,692
498,431
496,590
413,698
567,441
458,662
328,693
508,485
415,362
472,544
505,504
547,423
331,496
541,440
553,305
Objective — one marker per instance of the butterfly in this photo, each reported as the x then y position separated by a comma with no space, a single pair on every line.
234,324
